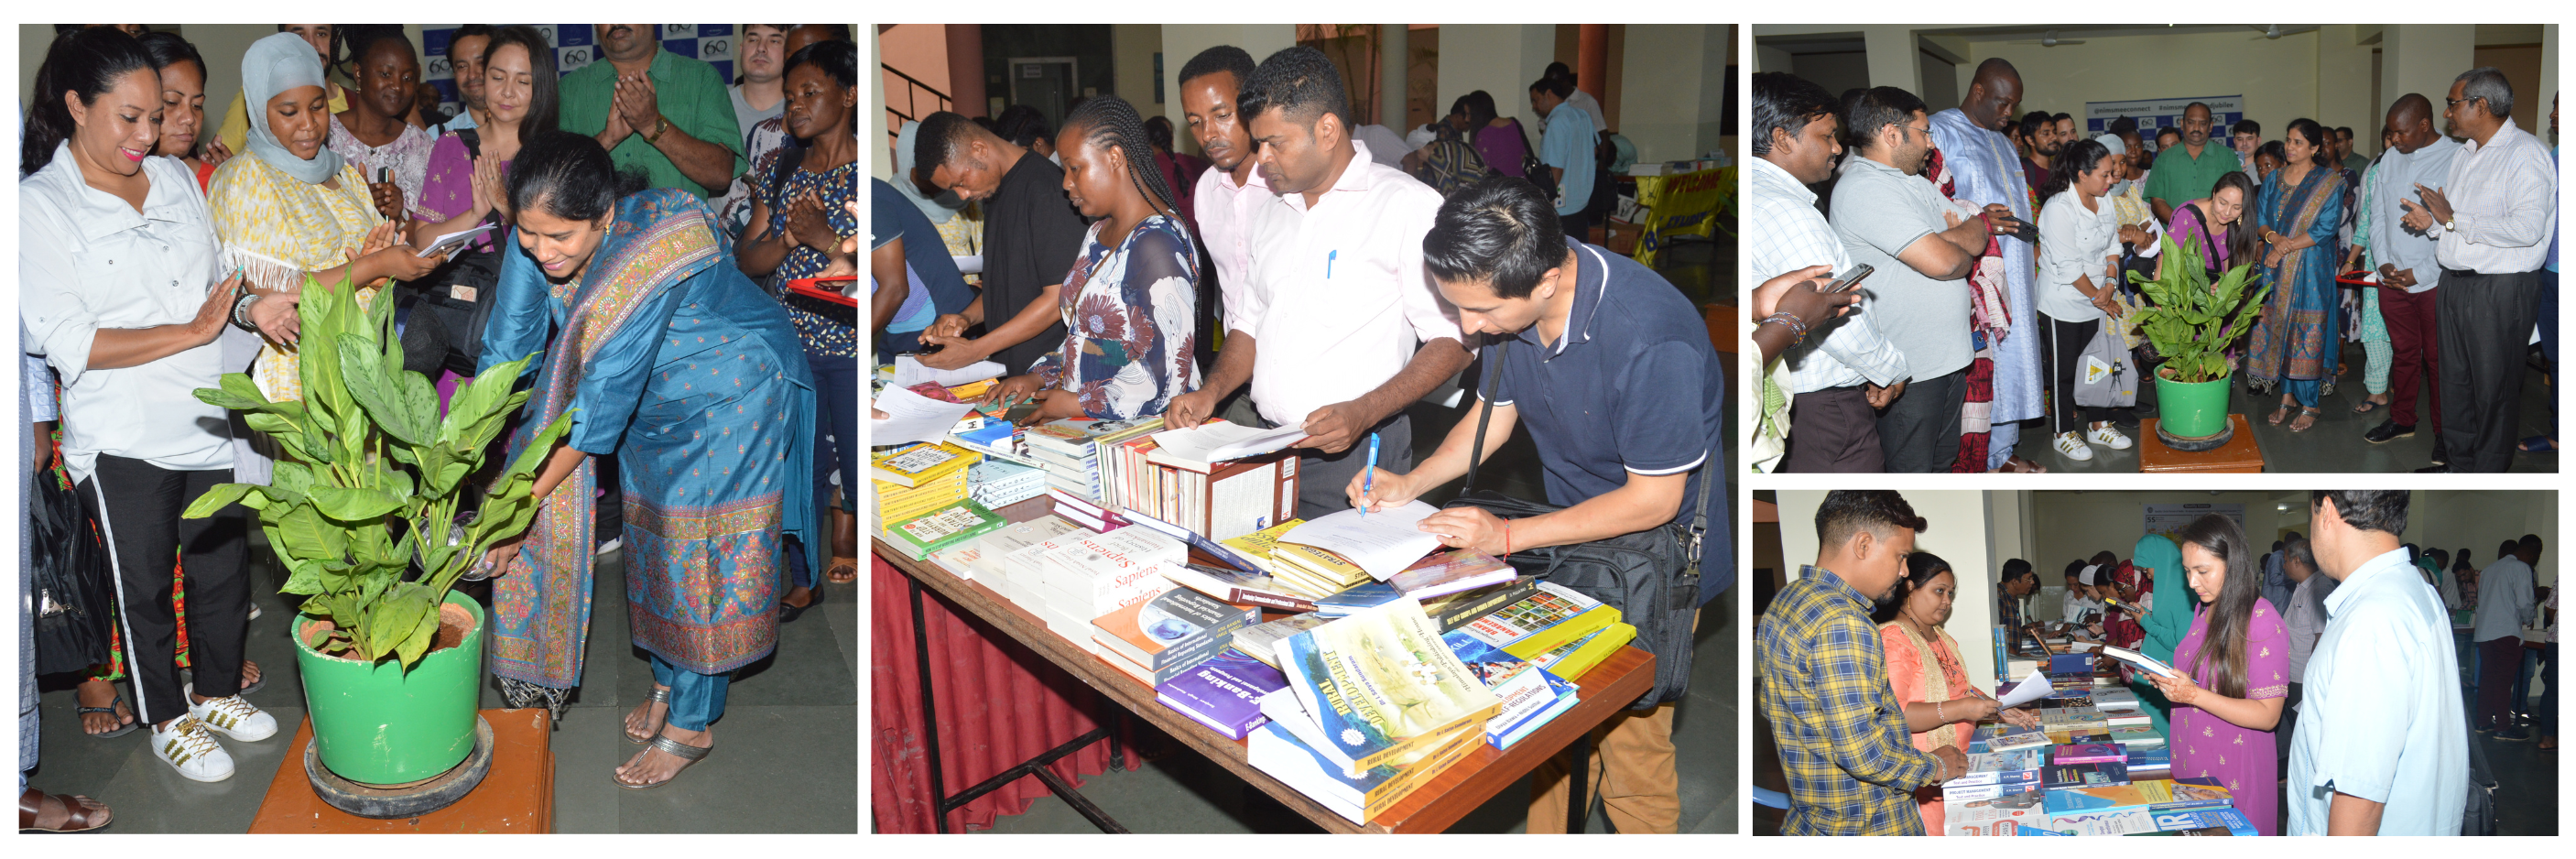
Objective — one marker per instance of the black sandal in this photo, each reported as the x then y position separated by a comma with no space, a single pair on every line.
789,613
110,710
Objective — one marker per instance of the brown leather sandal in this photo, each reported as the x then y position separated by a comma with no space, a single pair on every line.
844,570
80,813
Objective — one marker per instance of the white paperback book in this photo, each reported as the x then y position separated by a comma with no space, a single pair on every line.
908,372
1383,542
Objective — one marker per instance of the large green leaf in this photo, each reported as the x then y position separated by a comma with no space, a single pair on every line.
380,395
302,576
238,393
215,499
354,505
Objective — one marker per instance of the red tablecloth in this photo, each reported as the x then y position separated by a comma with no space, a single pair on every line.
999,704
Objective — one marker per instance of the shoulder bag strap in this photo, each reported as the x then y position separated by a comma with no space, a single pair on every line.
1485,415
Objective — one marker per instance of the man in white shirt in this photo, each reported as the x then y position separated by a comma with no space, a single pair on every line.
2505,606
1352,327
1838,376
1211,89
2494,221
2382,748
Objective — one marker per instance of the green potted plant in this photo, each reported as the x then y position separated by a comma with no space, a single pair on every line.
363,512
2190,323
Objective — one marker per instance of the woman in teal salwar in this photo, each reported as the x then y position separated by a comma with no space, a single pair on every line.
2298,341
671,359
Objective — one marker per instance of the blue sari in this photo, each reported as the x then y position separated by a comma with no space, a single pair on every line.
2298,340
694,378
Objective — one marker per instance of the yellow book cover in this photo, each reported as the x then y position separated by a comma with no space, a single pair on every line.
909,505
1575,658
888,493
1324,564
1258,545
1465,737
913,464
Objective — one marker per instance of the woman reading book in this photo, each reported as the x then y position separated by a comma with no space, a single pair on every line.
2235,662
1130,302
1942,706
2160,562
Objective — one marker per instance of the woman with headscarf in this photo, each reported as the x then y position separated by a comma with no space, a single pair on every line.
669,357
287,208
2156,558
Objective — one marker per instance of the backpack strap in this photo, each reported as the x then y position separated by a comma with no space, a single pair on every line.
1484,416
473,142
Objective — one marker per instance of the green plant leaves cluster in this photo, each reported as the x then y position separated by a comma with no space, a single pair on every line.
372,476
2192,319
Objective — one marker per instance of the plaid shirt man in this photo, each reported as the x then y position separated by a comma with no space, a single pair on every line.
1852,769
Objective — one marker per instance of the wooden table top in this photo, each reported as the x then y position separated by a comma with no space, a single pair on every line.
1453,793
517,795
2241,455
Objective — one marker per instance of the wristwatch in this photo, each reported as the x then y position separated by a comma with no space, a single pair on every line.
242,304
661,124
2451,224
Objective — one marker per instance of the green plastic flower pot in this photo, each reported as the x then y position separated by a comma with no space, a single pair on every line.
376,724
2191,409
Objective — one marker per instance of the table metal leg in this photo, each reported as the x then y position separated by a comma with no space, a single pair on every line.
1578,778
942,803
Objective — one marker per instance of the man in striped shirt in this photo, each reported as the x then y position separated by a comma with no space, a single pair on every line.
1852,768
2493,222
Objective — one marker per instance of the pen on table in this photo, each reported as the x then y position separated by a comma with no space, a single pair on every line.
1368,478
1328,263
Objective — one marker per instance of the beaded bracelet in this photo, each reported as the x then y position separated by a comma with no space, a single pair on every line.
1795,327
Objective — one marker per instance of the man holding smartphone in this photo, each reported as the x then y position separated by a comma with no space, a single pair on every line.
1838,375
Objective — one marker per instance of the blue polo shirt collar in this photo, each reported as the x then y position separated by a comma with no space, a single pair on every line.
1591,284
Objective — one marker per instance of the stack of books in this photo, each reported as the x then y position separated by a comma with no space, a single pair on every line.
941,529
982,559
1313,573
1554,616
1576,658
1163,636
2127,809
1101,574
918,478
1375,706
999,483
1224,692
1532,696
1069,450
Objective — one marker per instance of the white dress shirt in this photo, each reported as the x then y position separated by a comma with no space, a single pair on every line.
2382,717
2505,605
1340,300
2074,242
2504,204
1225,226
1786,233
88,261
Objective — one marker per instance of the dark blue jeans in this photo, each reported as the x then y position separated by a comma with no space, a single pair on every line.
836,444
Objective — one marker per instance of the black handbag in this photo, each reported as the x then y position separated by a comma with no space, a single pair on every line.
1650,576
72,581
445,326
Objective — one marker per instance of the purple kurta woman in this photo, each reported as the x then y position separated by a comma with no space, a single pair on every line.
2237,658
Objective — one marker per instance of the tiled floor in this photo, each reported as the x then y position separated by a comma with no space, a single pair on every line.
786,757
2334,444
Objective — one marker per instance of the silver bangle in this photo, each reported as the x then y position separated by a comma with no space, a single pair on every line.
240,305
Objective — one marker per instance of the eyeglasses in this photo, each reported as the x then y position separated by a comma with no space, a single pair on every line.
2448,103
1925,130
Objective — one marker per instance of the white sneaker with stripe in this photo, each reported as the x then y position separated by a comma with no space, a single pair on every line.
188,748
231,716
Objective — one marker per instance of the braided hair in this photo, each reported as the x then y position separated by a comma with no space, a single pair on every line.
1107,122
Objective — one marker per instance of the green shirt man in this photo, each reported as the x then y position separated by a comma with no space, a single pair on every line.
2180,178
687,94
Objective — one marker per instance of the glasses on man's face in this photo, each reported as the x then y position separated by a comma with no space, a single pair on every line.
2448,103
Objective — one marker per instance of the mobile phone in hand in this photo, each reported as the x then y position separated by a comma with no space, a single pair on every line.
1850,278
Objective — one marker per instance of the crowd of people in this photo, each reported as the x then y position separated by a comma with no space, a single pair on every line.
1346,289
648,217
1971,219
2326,666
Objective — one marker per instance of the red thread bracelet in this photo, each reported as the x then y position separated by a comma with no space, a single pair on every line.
1507,538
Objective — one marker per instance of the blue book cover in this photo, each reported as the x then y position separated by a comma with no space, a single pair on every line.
2071,663
2205,821
1223,693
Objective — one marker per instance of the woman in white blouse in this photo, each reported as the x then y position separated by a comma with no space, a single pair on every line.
2079,257
118,289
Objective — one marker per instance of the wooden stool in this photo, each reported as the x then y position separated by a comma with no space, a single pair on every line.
518,796
2241,454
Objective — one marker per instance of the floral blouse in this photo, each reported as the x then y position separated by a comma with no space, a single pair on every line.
1131,322
837,187
407,157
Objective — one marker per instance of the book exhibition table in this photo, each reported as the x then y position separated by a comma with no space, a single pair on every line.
516,796
1449,796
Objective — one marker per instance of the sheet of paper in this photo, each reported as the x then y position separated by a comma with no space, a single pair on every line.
911,417
1218,442
908,372
2032,688
969,264
1383,542
452,240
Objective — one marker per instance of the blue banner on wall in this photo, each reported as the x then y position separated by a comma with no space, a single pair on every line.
2156,113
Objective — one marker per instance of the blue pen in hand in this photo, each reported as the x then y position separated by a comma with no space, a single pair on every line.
1328,263
1368,478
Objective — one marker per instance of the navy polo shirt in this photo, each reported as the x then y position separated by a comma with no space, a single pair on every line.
890,216
1632,387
